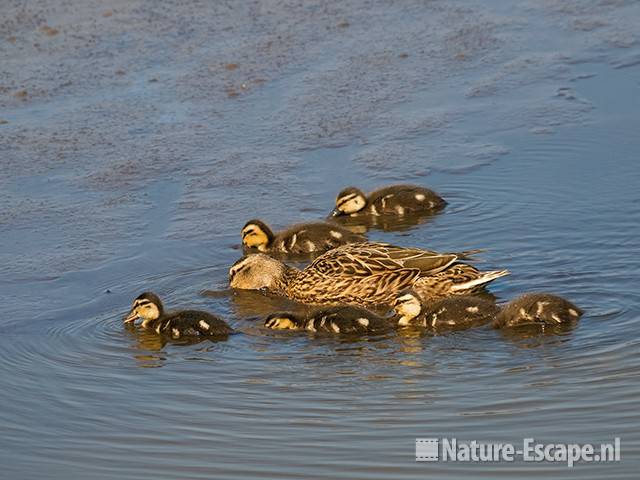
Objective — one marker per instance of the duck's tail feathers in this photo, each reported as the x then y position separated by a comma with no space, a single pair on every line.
483,279
468,254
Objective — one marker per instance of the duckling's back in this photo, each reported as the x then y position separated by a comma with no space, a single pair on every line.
537,308
404,200
193,323
459,312
345,319
313,237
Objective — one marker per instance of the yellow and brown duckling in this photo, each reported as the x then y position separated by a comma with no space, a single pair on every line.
302,238
451,313
537,309
365,274
178,324
335,320
397,200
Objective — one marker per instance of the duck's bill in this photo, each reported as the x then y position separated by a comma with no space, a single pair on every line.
335,213
132,317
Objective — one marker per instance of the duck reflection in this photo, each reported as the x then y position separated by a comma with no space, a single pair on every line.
149,346
532,336
387,223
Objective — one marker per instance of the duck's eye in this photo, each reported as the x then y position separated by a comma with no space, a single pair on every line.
237,270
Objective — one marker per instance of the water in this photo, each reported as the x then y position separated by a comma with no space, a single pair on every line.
139,152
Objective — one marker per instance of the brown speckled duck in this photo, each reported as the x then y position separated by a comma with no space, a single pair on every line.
449,313
397,200
537,309
335,320
178,324
365,274
302,238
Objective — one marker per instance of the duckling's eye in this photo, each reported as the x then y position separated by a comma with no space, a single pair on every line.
343,200
264,289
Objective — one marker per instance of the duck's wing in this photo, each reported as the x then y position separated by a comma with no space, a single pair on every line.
365,290
408,253
427,261
370,258
354,260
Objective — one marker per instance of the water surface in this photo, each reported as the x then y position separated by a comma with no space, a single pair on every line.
147,135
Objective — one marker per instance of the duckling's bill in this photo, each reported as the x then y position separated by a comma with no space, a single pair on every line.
132,316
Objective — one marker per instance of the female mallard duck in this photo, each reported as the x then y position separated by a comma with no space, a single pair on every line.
448,313
343,319
363,274
297,239
179,324
393,200
537,308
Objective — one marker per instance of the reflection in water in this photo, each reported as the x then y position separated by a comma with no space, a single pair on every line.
531,336
149,347
387,223
142,189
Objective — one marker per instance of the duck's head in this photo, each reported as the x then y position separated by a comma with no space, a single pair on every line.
349,201
256,234
408,306
147,306
281,321
258,272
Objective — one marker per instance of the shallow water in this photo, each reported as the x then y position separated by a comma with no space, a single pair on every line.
139,151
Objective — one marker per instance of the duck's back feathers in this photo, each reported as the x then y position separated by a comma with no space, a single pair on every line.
192,323
334,320
361,274
373,273
537,308
458,312
315,237
370,258
403,200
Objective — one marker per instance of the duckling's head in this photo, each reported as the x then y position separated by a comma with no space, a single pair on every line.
147,306
408,306
281,321
349,201
256,234
258,272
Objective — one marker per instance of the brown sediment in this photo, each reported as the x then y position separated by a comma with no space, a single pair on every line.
49,31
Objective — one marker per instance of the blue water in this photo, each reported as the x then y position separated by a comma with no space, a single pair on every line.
523,117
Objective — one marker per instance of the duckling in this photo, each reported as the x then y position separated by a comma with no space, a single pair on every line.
179,324
341,319
297,239
392,200
456,312
537,308
364,274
